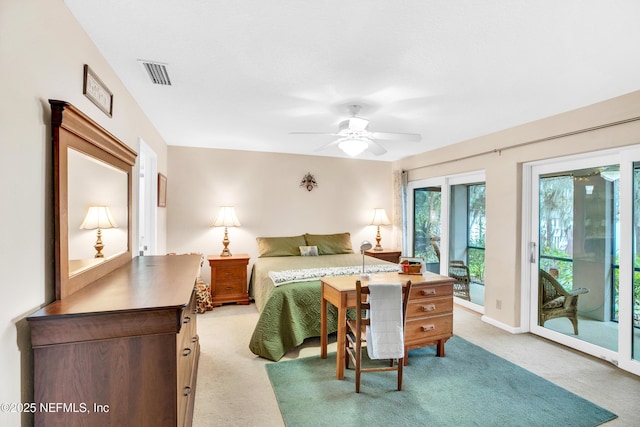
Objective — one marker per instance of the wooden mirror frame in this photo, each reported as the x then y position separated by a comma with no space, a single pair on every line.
73,129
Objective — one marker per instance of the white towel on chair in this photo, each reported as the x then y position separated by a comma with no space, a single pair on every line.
385,336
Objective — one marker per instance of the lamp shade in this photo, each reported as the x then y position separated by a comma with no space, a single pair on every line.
98,217
226,217
380,217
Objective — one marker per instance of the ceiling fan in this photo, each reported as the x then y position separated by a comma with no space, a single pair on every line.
354,136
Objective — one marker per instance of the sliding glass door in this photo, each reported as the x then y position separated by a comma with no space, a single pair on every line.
447,230
582,252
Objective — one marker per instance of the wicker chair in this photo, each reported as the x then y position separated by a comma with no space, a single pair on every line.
459,271
554,301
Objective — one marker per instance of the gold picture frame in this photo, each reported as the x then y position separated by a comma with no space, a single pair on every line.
162,191
94,89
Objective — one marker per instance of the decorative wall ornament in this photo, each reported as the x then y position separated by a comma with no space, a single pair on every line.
308,182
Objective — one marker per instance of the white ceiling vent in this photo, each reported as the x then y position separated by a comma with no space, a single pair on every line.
157,72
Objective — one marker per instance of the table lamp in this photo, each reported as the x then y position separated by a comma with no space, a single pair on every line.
98,217
379,218
226,218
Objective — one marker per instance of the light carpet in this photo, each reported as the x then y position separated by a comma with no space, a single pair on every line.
468,387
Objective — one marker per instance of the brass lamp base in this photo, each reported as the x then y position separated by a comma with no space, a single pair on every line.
378,247
99,246
225,242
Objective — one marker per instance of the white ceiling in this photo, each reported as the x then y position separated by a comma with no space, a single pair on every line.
245,73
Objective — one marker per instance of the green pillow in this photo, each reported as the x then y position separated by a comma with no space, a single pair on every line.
330,244
280,246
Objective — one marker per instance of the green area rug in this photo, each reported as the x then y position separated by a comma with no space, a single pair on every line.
468,387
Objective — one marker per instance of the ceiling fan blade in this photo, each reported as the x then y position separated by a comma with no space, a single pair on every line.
397,136
325,146
376,148
313,133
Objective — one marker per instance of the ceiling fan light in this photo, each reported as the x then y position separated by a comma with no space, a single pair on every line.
353,146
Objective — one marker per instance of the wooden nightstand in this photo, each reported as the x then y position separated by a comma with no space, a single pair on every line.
229,279
385,254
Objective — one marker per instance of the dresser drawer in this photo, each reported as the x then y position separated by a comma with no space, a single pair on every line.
230,273
431,291
424,329
429,307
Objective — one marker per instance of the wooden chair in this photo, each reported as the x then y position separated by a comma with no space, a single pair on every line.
356,339
554,301
459,271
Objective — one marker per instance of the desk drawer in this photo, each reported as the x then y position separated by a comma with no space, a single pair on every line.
428,328
429,307
419,291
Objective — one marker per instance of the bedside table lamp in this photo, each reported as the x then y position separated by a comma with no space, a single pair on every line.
98,217
379,218
226,218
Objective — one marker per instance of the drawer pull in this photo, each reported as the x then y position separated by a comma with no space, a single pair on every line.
195,339
428,328
186,320
228,273
228,288
186,351
187,391
428,292
429,307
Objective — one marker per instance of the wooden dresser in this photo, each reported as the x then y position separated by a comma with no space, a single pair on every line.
429,313
122,351
229,279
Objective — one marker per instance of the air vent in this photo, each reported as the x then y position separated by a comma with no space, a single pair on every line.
157,72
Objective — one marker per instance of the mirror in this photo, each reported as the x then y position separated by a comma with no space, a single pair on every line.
92,183
91,169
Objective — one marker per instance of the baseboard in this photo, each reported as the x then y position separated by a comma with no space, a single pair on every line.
503,326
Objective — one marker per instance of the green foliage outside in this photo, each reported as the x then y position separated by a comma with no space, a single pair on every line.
426,224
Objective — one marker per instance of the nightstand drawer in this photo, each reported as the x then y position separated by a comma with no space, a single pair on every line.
428,328
429,307
228,288
230,273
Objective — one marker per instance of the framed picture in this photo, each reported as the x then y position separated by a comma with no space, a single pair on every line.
97,92
162,191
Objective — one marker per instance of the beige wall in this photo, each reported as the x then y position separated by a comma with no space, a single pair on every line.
265,190
42,53
608,124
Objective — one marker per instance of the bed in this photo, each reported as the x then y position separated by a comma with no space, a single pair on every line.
285,286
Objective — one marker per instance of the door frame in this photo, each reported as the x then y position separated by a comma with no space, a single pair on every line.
147,199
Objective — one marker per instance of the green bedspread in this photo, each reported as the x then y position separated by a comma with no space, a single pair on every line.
290,313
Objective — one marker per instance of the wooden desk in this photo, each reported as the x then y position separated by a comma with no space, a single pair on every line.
429,313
